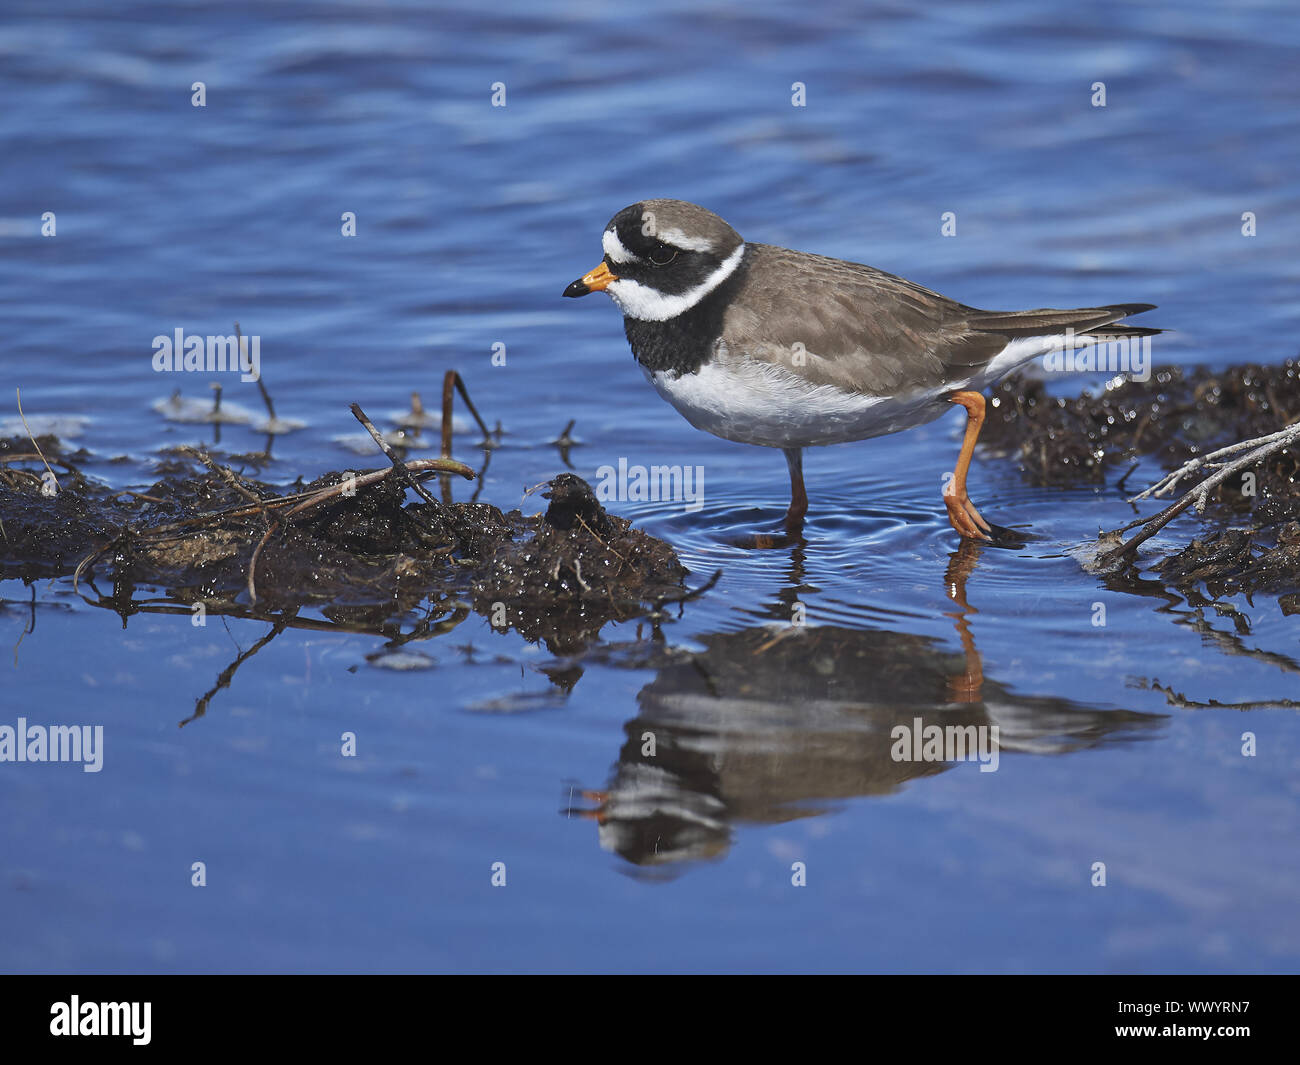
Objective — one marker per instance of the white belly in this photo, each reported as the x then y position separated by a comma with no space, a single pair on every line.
760,403
755,402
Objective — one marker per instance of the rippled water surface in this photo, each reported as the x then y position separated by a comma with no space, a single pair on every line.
772,742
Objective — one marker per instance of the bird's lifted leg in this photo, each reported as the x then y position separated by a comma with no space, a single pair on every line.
961,511
798,497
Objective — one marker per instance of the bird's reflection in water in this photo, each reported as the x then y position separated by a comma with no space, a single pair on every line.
768,725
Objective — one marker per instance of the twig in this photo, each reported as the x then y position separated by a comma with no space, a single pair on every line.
1127,474
227,674
597,538
223,472
1286,435
30,436
27,456
693,594
464,394
301,501
81,566
448,383
1178,699
27,629
398,464
1261,447
252,564
266,396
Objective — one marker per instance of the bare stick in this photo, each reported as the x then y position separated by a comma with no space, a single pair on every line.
19,393
225,474
27,456
1262,447
301,501
81,566
597,538
448,382
266,396
693,594
1291,432
464,394
252,565
227,674
398,464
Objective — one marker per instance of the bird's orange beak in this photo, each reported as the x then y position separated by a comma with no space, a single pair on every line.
596,280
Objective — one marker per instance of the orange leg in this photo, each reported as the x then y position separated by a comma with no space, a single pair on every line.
961,511
964,687
601,813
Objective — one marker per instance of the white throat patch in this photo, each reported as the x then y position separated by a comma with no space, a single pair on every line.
647,304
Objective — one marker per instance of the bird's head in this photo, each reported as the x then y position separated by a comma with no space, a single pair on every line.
661,258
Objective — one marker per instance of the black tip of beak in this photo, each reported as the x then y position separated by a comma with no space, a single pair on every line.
577,289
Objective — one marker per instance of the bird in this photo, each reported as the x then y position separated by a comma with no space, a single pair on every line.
786,349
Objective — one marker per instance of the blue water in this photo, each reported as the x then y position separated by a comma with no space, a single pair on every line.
470,220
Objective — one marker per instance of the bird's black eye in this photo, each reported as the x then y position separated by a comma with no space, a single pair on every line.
662,254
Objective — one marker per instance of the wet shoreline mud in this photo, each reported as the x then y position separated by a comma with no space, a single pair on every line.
348,546
1248,539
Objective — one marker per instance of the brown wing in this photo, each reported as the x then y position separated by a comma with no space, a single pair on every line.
870,332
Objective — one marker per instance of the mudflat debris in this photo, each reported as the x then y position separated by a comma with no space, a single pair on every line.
1250,543
349,546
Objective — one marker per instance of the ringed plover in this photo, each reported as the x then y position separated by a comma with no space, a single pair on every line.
764,345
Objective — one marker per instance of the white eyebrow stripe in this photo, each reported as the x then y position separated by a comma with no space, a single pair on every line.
615,250
678,239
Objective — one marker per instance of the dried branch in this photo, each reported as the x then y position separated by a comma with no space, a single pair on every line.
1259,448
398,464
19,393
1282,437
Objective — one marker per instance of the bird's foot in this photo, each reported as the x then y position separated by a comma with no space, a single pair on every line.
963,516
975,530
789,533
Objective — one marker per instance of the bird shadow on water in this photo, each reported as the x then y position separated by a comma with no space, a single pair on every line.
783,721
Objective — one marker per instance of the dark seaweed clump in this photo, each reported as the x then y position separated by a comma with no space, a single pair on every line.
362,561
1250,542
